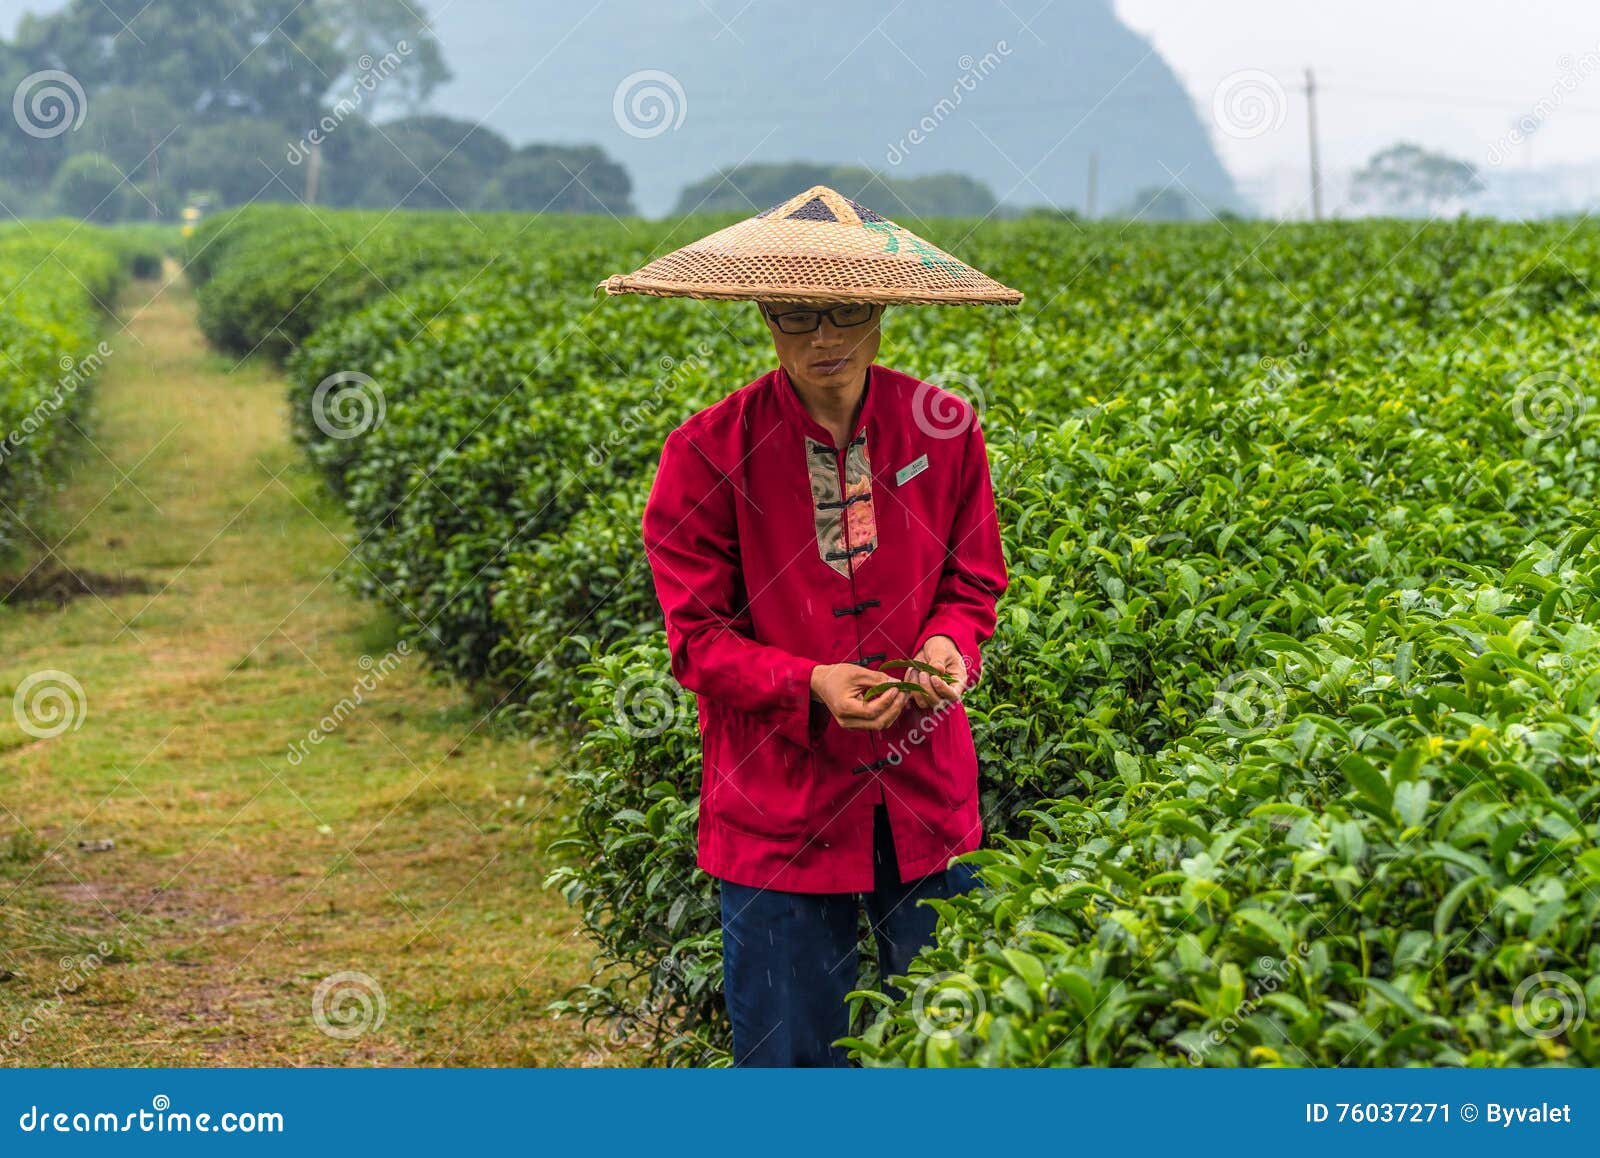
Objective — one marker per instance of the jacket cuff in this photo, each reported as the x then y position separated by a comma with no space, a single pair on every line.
965,644
795,720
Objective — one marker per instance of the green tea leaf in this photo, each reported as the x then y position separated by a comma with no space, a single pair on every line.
917,664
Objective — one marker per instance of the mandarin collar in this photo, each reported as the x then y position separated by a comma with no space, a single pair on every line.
797,411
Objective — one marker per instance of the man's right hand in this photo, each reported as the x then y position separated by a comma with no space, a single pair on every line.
839,687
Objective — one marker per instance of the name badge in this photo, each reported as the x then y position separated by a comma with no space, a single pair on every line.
911,470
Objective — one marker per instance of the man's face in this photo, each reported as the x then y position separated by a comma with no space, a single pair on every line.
832,356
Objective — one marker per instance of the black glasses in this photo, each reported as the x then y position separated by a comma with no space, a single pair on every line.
804,321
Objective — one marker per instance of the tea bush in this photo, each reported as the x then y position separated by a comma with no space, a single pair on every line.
1298,521
58,282
1374,879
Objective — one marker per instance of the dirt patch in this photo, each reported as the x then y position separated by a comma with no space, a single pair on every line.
61,585
134,899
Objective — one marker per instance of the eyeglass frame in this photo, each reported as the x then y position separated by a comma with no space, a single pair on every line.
823,313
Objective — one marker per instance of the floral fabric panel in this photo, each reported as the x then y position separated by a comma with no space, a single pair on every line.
847,529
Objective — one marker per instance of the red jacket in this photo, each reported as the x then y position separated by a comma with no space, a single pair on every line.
772,552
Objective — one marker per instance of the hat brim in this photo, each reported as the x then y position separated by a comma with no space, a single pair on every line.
631,284
818,246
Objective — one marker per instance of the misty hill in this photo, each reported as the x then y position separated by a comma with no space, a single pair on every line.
925,95
942,195
838,82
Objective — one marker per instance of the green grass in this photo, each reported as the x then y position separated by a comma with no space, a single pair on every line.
238,880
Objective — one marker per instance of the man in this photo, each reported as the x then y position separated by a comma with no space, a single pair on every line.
826,518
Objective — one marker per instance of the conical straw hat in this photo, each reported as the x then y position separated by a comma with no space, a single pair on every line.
818,246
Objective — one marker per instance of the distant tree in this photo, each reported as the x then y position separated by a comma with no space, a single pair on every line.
354,160
482,146
764,184
431,162
32,147
157,201
372,31
1407,179
560,178
90,186
18,202
214,59
244,97
161,75
758,185
1050,213
241,160
1164,203
937,195
135,126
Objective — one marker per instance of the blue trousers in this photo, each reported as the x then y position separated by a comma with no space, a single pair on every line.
788,959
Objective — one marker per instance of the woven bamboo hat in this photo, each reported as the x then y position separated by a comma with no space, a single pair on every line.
818,246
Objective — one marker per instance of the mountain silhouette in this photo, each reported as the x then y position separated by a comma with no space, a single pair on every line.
1017,94
717,83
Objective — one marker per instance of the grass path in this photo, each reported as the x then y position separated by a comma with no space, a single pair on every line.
239,881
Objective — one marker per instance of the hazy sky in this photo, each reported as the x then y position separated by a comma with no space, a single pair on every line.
1453,74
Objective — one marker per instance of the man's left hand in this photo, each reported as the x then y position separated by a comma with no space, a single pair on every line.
941,652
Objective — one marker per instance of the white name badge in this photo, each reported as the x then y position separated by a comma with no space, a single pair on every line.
911,470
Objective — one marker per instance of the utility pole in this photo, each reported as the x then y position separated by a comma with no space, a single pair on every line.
1316,166
155,176
313,171
1094,177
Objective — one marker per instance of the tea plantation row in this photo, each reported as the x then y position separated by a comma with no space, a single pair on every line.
1287,730
57,281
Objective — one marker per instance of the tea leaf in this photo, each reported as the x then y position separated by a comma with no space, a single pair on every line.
929,669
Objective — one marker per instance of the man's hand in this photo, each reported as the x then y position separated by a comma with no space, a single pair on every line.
839,687
941,652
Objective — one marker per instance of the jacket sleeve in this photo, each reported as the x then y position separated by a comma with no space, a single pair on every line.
691,541
974,575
